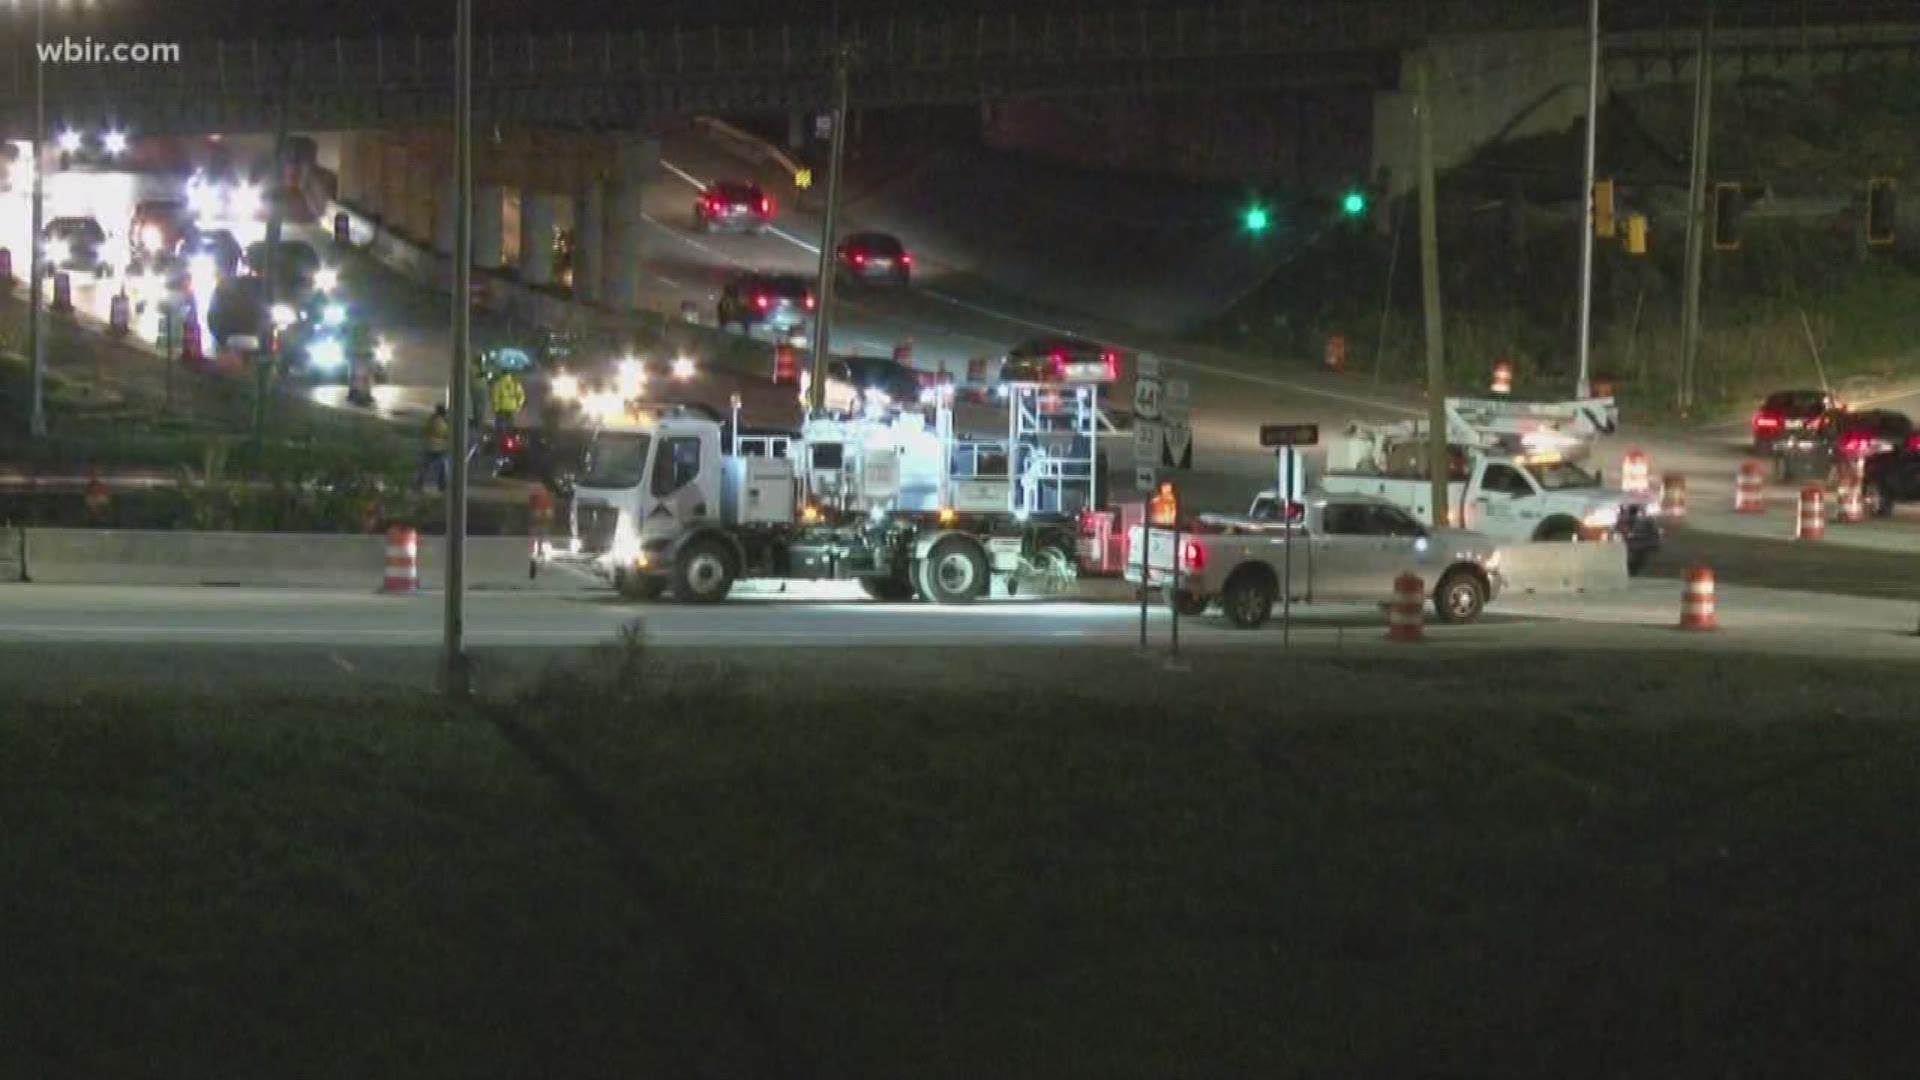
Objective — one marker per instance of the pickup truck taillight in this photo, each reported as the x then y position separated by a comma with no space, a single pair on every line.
1913,444
1765,421
1193,556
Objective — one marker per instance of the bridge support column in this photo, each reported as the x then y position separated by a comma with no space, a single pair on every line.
489,227
537,213
445,216
796,129
624,244
589,240
416,164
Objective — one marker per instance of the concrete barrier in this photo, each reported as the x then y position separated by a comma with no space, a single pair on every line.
291,560
1545,568
12,546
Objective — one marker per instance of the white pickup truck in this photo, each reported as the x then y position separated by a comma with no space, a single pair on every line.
1347,549
1538,497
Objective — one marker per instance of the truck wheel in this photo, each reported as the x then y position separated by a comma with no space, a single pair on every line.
703,573
888,590
1460,598
1560,530
954,572
1188,604
1247,601
641,587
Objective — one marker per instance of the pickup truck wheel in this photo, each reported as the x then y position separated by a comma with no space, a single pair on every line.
1247,601
954,572
1188,604
1460,598
703,573
1560,530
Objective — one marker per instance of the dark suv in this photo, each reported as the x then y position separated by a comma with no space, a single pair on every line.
782,303
1836,438
732,206
1892,477
1786,412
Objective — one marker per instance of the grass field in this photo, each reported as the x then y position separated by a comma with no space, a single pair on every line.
1674,866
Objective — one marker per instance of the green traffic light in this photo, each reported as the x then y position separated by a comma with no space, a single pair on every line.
1354,203
1256,219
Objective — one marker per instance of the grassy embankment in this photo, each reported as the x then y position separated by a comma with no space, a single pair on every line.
1526,866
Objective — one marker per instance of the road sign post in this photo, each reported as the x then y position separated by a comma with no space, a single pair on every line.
1286,439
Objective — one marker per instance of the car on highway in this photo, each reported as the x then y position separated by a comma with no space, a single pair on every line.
733,206
76,244
856,382
215,248
874,258
161,280
1345,549
754,299
1785,412
239,308
297,267
1891,477
1837,437
1060,360
158,226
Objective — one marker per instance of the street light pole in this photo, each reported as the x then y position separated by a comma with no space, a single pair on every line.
456,683
823,318
36,341
1696,215
1584,386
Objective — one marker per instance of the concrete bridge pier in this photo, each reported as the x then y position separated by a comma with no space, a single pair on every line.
445,216
624,248
537,220
589,240
489,227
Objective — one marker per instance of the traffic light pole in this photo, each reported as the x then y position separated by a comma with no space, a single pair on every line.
455,682
1696,215
1437,456
823,317
1584,386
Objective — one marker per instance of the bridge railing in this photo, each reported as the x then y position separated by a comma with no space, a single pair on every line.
1153,31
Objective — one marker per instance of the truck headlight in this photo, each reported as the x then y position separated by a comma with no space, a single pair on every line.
326,354
334,314
58,251
283,315
326,279
1603,518
383,353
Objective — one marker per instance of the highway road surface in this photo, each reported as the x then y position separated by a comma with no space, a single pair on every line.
169,632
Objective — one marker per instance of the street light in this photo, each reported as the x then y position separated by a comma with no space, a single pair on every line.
114,142
69,141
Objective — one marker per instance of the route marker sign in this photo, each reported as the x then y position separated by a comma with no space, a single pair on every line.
1176,443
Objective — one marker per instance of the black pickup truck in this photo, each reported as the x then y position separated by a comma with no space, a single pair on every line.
1892,477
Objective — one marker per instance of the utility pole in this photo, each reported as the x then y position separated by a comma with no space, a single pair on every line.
1584,386
1437,444
823,317
1696,214
455,683
37,340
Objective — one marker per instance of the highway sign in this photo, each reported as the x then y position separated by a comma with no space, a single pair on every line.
1146,398
1144,478
1293,474
1173,399
1147,366
1176,444
1289,435
1146,442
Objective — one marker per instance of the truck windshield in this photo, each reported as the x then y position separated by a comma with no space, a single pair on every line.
1561,476
617,459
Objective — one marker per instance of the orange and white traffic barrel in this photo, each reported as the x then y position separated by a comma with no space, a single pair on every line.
1747,486
1635,473
1673,497
1812,522
403,561
1502,377
1696,603
1406,619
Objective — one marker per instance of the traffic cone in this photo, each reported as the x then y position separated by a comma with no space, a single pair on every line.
1406,619
1696,602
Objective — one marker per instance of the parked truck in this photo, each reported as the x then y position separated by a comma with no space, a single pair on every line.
1514,474
1346,549
673,502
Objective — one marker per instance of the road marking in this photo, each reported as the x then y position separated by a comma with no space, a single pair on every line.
340,662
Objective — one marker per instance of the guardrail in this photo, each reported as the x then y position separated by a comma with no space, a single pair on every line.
1148,32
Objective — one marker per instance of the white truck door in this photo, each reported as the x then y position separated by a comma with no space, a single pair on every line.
1502,502
1351,557
685,482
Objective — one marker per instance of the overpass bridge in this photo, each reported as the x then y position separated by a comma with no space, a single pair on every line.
628,78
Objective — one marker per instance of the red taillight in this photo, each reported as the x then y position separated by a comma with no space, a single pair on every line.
1087,523
1913,443
510,442
1765,421
766,206
762,301
809,301
1058,359
1853,444
1112,360
906,259
858,257
1193,556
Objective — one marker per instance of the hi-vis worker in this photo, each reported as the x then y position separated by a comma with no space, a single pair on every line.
509,397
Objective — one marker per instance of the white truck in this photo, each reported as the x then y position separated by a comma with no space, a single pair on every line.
1513,475
1346,549
670,501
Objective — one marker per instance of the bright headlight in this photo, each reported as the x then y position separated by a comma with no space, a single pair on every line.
283,315
334,314
326,279
566,387
1604,518
151,236
326,354
383,353
58,251
203,268
632,377
683,368
245,201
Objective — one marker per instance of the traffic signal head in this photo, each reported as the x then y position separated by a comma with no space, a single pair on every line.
1255,219
1354,203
